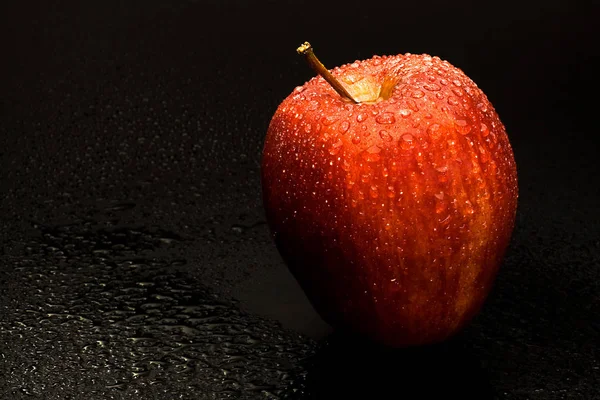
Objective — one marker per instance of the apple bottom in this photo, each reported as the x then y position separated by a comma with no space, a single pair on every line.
429,305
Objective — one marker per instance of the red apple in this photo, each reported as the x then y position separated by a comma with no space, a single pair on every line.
390,195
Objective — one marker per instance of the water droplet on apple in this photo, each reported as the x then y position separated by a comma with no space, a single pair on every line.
385,172
462,126
407,141
385,118
457,82
439,95
482,107
444,81
328,120
360,117
475,166
335,148
400,197
457,91
469,207
432,87
313,105
452,101
307,128
391,193
412,105
442,177
372,154
346,165
299,115
445,221
434,131
484,130
440,204
385,136
405,113
344,126
299,89
374,192
356,139
361,195
483,154
417,94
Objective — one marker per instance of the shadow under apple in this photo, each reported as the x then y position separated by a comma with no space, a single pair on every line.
346,366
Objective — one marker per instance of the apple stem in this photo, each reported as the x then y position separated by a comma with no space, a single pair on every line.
306,50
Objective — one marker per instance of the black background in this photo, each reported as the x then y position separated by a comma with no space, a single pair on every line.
135,261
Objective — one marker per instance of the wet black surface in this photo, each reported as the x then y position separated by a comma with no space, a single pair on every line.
135,261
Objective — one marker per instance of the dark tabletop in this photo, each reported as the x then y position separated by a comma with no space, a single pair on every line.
135,261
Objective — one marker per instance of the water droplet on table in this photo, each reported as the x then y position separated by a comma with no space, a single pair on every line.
237,228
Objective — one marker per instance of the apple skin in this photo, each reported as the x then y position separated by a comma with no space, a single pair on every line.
394,216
